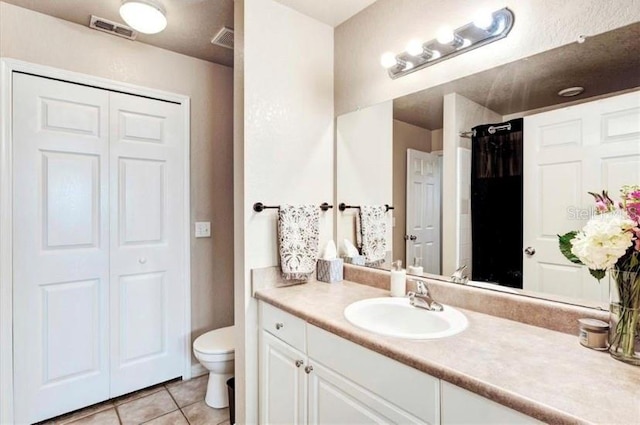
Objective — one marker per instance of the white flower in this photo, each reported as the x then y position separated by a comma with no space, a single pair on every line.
603,240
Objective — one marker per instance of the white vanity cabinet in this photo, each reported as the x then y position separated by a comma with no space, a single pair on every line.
462,407
310,376
282,362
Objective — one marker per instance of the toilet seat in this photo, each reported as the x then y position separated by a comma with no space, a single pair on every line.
216,343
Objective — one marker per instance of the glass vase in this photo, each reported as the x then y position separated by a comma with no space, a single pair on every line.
624,316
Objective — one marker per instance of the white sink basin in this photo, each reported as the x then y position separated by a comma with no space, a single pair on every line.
396,317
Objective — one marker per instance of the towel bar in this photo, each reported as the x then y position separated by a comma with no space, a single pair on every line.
259,207
344,206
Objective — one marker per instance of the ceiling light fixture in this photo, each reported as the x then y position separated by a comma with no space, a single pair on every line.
486,28
145,16
571,91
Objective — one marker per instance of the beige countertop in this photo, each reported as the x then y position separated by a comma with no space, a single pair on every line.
542,373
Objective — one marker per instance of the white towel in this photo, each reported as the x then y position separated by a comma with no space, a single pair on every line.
373,233
298,232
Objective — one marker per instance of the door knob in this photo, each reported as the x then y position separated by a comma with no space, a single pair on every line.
529,250
142,260
410,237
308,369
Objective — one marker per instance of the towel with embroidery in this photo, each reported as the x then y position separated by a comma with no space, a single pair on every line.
372,232
298,234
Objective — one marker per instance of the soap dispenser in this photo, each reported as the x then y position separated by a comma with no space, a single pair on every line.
398,279
416,269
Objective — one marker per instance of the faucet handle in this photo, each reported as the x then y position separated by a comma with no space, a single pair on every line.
421,287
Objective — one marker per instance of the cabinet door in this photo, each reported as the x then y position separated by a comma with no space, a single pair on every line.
336,400
462,407
282,382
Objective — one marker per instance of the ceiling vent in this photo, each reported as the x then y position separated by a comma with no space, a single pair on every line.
224,38
111,27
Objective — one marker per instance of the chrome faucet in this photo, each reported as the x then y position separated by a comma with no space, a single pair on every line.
421,298
458,276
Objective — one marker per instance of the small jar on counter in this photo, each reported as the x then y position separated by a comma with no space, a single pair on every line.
594,334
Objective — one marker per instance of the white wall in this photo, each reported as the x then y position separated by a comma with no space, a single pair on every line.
41,39
364,165
460,114
388,25
283,152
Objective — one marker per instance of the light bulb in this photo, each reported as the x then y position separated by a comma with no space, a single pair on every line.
414,48
408,65
465,43
436,55
388,60
445,35
145,16
483,19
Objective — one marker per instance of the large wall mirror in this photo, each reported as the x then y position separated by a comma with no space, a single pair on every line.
484,172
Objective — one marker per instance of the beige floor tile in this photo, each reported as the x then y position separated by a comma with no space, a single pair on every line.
137,394
225,423
188,392
78,414
146,408
106,417
201,414
173,418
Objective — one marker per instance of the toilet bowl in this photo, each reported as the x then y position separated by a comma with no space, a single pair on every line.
215,352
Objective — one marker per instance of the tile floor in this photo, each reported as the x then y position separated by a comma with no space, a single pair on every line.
171,403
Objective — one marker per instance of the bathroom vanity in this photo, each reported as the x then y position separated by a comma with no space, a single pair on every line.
315,367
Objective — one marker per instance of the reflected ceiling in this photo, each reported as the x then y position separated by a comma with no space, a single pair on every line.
605,63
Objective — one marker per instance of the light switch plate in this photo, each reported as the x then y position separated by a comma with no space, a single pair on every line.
203,229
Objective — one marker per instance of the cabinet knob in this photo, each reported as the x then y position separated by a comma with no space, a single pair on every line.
142,260
279,325
299,363
308,369
530,251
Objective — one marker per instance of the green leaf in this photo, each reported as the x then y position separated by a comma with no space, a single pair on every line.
598,274
565,247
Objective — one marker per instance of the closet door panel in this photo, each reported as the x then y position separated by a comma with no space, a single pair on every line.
61,247
146,175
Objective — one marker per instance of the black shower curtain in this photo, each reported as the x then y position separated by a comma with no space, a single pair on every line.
496,203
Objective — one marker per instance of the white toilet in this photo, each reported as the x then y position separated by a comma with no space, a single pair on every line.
215,351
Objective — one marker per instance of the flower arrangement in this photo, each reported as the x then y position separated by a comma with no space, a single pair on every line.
611,241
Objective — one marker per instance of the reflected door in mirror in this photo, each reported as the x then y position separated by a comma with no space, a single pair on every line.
570,152
423,210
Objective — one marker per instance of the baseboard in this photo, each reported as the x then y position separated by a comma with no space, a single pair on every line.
197,370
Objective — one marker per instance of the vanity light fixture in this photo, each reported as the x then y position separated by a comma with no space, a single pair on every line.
486,28
145,16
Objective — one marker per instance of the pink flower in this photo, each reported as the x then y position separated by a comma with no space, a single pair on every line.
601,207
636,232
633,210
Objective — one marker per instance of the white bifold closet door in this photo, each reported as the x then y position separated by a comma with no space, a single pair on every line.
98,201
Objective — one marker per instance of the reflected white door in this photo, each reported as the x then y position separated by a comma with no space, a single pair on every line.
569,152
61,247
423,209
146,184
